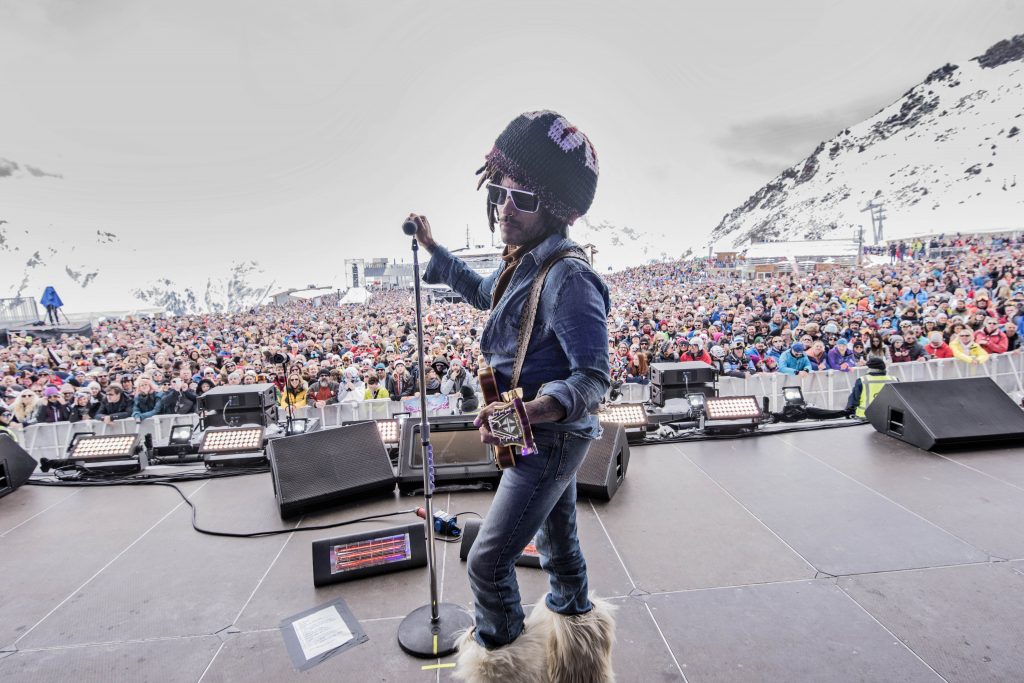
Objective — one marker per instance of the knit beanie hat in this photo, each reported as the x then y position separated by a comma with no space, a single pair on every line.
876,363
544,153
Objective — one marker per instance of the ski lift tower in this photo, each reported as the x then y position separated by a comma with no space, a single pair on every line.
877,210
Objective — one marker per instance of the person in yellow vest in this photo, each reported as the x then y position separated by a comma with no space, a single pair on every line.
866,388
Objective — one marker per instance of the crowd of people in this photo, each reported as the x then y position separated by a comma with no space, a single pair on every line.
964,304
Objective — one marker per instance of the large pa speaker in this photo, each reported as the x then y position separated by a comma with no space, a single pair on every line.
331,466
604,468
16,465
687,372
234,405
950,413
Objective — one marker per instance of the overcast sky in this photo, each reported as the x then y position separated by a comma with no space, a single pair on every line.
303,132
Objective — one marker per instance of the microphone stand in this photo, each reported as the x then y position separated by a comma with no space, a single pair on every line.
431,630
287,404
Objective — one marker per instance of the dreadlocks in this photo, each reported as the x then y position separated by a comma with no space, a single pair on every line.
489,173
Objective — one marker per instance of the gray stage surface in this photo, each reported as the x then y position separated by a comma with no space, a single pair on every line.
838,555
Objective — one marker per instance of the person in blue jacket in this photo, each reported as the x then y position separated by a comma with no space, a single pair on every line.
794,362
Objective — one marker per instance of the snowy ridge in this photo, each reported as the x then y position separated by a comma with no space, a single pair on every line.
945,157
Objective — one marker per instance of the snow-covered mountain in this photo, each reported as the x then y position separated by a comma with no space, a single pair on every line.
945,157
98,272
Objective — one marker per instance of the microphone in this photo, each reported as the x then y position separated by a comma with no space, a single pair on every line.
410,226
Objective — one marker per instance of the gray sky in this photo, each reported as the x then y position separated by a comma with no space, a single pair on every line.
305,131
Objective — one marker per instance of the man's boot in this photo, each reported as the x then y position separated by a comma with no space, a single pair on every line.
524,660
580,648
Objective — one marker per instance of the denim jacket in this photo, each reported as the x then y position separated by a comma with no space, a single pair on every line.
567,357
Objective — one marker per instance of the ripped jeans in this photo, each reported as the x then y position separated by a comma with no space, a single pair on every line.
537,497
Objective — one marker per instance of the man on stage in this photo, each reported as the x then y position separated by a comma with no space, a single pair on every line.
540,177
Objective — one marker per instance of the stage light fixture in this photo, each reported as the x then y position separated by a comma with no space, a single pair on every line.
794,396
297,426
180,435
632,417
114,453
626,414
98,447
731,414
233,446
389,432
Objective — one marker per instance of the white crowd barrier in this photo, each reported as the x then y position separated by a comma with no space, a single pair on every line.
829,389
51,440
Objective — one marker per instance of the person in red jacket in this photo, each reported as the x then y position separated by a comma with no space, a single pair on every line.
937,347
991,338
696,352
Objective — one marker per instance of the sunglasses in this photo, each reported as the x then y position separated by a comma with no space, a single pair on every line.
524,201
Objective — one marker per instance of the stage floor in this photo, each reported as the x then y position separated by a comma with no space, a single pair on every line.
839,555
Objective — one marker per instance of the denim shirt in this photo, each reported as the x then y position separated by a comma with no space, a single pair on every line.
567,357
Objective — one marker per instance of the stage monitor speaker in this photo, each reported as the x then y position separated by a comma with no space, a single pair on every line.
950,413
529,558
460,459
327,467
604,468
16,465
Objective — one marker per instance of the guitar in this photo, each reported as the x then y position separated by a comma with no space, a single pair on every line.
509,424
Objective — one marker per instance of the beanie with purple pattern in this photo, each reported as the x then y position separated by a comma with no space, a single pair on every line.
544,153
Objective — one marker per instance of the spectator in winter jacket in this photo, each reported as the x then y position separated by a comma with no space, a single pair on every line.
115,404
52,409
937,348
83,407
794,361
840,357
179,400
991,338
400,383
1012,337
295,392
147,401
456,378
323,392
964,348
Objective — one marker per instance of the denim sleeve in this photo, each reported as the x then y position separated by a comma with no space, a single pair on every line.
453,271
580,323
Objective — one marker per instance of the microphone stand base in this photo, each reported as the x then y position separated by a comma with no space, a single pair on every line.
420,636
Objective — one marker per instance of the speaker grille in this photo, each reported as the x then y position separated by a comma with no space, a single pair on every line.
16,465
329,466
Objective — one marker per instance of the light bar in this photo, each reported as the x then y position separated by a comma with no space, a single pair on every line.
626,414
732,408
104,447
234,446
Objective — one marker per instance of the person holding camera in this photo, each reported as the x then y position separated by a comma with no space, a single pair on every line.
456,378
53,409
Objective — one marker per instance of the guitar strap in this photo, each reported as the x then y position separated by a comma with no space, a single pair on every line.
530,309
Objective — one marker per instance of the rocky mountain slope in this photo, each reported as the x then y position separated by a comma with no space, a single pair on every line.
946,157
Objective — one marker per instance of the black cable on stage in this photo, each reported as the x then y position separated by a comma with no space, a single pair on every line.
101,479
